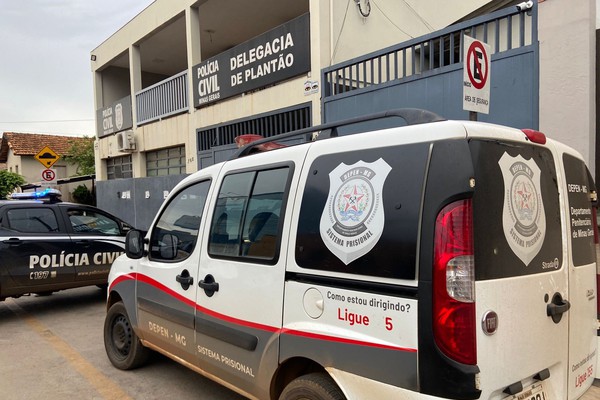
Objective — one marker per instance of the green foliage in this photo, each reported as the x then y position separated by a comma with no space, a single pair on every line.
9,181
81,153
82,195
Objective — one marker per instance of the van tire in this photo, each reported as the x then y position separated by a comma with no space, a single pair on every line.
123,347
315,386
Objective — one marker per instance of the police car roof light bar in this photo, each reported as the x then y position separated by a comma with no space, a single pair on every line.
49,194
412,116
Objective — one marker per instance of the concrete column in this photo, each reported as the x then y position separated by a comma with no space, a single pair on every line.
194,57
138,158
568,74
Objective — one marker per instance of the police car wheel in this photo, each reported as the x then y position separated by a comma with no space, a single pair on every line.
315,386
123,347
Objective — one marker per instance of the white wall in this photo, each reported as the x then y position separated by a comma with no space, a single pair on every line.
568,74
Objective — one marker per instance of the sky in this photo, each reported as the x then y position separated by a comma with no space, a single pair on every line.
46,83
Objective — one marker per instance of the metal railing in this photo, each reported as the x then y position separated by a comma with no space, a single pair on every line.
504,30
162,99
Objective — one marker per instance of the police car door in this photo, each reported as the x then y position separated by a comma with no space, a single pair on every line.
98,241
242,270
166,278
582,273
34,248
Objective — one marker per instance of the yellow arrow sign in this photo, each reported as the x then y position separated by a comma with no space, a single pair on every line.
47,157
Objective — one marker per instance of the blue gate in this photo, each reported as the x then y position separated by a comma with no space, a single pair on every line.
427,72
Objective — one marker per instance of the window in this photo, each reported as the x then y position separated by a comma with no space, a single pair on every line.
266,125
119,167
163,162
32,220
247,217
86,221
176,232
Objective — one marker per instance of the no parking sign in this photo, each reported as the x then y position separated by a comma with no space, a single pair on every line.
476,76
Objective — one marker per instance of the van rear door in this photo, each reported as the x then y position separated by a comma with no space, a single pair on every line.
582,273
521,270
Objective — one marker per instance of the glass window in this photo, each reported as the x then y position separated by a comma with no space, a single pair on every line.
119,167
164,162
176,232
32,220
246,222
87,221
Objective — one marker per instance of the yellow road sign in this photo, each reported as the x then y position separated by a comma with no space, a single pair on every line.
47,157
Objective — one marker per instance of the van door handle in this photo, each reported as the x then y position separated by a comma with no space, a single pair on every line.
557,307
184,279
209,285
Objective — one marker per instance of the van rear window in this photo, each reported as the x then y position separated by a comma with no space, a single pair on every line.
581,219
516,210
360,212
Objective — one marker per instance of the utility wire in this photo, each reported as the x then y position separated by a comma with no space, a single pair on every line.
337,42
392,22
419,16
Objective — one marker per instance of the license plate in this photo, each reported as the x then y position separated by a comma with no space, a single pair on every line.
534,392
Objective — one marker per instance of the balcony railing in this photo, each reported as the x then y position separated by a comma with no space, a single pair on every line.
162,99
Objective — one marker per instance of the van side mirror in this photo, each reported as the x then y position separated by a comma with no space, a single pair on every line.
134,244
168,246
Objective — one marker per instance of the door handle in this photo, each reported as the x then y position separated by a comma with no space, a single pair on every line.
209,285
184,279
83,242
12,241
557,307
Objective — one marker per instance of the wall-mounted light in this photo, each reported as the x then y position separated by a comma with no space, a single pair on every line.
93,57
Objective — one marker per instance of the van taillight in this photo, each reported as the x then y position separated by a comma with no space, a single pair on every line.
454,283
535,136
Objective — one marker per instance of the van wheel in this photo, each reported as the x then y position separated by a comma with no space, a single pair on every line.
315,386
123,347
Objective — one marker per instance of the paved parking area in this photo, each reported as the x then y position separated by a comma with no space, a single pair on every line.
52,348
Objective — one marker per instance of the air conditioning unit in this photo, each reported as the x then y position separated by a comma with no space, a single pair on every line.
126,141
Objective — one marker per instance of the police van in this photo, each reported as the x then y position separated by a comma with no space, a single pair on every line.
440,259
47,245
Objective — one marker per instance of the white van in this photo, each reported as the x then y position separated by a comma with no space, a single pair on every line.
441,259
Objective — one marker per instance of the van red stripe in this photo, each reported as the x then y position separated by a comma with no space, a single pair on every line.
159,286
328,338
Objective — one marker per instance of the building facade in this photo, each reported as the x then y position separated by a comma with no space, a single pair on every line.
177,84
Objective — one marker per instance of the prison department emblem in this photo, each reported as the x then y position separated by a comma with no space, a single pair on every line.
353,218
523,216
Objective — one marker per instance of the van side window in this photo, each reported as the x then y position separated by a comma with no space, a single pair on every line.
581,213
246,222
176,232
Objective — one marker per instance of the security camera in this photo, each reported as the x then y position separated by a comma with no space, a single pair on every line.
526,5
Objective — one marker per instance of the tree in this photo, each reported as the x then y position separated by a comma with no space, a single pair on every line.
9,181
81,153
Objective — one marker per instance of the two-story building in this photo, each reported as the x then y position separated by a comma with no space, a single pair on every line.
177,84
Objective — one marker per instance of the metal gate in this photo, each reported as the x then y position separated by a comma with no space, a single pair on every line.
427,72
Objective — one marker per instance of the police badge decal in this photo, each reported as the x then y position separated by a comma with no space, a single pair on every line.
353,218
523,216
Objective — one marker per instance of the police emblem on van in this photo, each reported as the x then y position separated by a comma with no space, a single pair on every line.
523,216
353,219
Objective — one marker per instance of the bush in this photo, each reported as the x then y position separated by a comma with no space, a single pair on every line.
83,195
9,181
